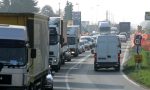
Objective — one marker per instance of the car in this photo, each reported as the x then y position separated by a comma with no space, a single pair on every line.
107,52
81,47
49,81
124,33
89,39
86,45
122,38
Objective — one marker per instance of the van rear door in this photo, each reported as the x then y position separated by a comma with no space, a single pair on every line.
107,49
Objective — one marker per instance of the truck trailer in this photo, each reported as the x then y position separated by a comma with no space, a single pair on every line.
24,45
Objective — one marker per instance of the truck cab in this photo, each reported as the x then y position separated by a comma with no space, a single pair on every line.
54,43
104,27
73,39
23,51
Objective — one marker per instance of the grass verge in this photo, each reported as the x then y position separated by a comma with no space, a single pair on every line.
141,76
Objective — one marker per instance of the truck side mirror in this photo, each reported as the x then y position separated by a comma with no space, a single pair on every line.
33,53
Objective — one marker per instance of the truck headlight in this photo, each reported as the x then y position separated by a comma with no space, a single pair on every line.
72,52
55,60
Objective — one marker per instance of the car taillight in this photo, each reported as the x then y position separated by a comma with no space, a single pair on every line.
95,56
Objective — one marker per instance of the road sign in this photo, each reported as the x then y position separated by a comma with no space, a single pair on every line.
147,15
138,58
137,39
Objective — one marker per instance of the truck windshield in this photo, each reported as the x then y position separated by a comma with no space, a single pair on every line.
13,52
53,39
71,40
13,56
53,36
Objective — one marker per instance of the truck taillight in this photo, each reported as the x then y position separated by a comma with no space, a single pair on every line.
95,56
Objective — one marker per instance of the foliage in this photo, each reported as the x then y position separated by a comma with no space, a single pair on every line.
19,6
48,11
68,11
141,76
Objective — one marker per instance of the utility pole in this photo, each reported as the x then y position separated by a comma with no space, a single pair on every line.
59,10
107,15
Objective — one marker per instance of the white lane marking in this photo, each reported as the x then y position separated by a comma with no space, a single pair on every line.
123,61
67,73
125,54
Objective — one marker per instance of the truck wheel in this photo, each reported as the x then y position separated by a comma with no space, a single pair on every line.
32,87
51,88
56,70
95,68
76,54
62,57
42,87
117,68
69,59
63,62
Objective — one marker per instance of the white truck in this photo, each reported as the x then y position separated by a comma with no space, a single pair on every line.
73,39
58,52
104,27
23,51
107,52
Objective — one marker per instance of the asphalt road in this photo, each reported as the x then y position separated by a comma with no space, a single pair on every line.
79,74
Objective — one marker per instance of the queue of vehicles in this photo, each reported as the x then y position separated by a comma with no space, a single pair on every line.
32,47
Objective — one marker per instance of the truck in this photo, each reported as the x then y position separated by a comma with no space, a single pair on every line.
125,27
23,51
104,27
73,35
65,53
58,52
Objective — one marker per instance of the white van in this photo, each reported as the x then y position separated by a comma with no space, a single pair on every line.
107,52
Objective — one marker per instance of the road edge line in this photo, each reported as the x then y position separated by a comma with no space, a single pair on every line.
123,74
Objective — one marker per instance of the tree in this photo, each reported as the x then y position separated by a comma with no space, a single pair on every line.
48,11
68,11
19,6
5,4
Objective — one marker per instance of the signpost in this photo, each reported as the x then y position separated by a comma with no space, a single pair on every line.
147,15
138,57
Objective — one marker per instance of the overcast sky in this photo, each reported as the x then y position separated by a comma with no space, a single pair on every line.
95,10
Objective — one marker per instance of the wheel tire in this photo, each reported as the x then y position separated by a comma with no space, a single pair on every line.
75,55
63,62
57,68
32,87
42,87
69,59
117,68
51,88
95,68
